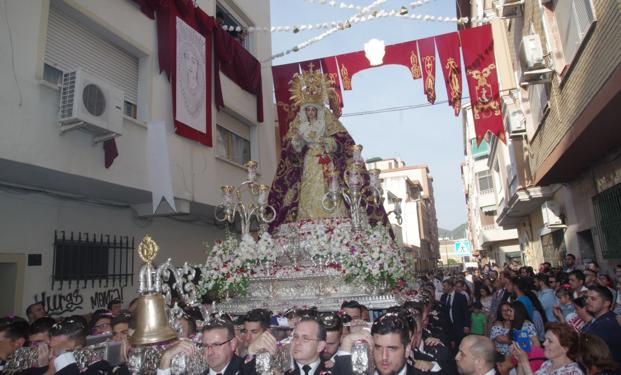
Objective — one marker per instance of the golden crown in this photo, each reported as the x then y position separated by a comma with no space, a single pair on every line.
311,87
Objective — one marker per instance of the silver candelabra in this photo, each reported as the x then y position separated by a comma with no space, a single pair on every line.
232,203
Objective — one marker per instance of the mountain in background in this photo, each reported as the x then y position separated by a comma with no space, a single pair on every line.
455,234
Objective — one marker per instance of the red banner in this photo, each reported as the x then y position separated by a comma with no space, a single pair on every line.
405,54
478,51
450,60
282,75
350,64
330,68
306,65
427,50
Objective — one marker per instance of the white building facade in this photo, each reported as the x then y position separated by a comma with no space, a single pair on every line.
419,228
54,185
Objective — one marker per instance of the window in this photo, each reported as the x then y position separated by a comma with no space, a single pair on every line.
226,18
574,19
232,147
72,43
80,257
538,97
486,184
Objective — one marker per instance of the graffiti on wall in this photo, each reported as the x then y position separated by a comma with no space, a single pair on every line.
60,303
57,303
100,300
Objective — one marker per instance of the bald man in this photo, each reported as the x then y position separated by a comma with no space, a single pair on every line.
476,356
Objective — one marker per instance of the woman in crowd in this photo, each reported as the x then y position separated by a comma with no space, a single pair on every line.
520,322
561,348
484,296
500,331
595,357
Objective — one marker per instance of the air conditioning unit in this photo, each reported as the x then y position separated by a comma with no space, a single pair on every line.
90,104
516,123
509,8
551,213
533,61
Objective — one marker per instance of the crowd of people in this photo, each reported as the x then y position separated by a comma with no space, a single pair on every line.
479,322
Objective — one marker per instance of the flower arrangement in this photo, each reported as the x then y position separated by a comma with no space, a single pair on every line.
368,256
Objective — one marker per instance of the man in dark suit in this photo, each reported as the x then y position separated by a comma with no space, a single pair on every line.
476,356
219,344
390,343
456,308
308,341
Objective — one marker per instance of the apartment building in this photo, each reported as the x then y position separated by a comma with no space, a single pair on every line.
70,224
484,198
562,189
419,228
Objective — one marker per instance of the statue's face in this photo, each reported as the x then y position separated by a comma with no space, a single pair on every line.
311,113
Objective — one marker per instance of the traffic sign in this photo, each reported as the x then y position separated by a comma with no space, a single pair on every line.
462,248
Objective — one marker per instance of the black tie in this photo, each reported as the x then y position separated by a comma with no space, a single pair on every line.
219,373
306,369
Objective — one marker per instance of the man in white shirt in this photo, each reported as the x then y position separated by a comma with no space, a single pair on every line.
476,356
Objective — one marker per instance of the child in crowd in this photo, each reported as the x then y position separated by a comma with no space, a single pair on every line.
565,305
478,320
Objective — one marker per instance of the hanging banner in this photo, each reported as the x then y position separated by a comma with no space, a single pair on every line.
350,64
330,68
190,78
450,60
478,51
282,75
427,50
405,54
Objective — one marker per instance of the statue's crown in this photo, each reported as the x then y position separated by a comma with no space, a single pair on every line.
311,87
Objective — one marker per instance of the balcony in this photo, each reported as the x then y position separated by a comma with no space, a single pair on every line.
481,151
522,203
487,200
493,233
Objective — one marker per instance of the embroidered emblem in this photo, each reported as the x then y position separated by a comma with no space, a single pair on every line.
415,66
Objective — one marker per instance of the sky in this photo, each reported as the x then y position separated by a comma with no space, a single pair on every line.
430,135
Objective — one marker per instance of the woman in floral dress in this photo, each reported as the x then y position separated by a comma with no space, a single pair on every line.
561,349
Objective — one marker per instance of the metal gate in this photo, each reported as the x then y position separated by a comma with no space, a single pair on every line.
607,207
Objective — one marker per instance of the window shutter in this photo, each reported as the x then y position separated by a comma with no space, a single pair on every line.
584,15
574,17
70,45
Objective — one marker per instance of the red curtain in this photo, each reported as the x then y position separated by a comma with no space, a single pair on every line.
282,75
450,60
350,64
405,54
478,51
239,65
427,51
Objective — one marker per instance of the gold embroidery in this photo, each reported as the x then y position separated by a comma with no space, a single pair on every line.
454,83
485,105
430,81
415,66
345,77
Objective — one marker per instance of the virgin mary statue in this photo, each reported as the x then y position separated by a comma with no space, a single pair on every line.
316,147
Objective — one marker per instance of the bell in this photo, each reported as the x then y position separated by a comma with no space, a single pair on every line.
151,321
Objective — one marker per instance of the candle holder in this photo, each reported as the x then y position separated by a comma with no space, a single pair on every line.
232,203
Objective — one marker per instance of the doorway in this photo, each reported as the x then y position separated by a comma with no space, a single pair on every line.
12,281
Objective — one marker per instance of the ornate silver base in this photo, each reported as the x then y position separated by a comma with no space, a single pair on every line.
326,290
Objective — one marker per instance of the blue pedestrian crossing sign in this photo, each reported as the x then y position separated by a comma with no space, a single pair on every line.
462,248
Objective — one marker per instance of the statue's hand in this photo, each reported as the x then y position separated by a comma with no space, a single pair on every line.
297,142
329,145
